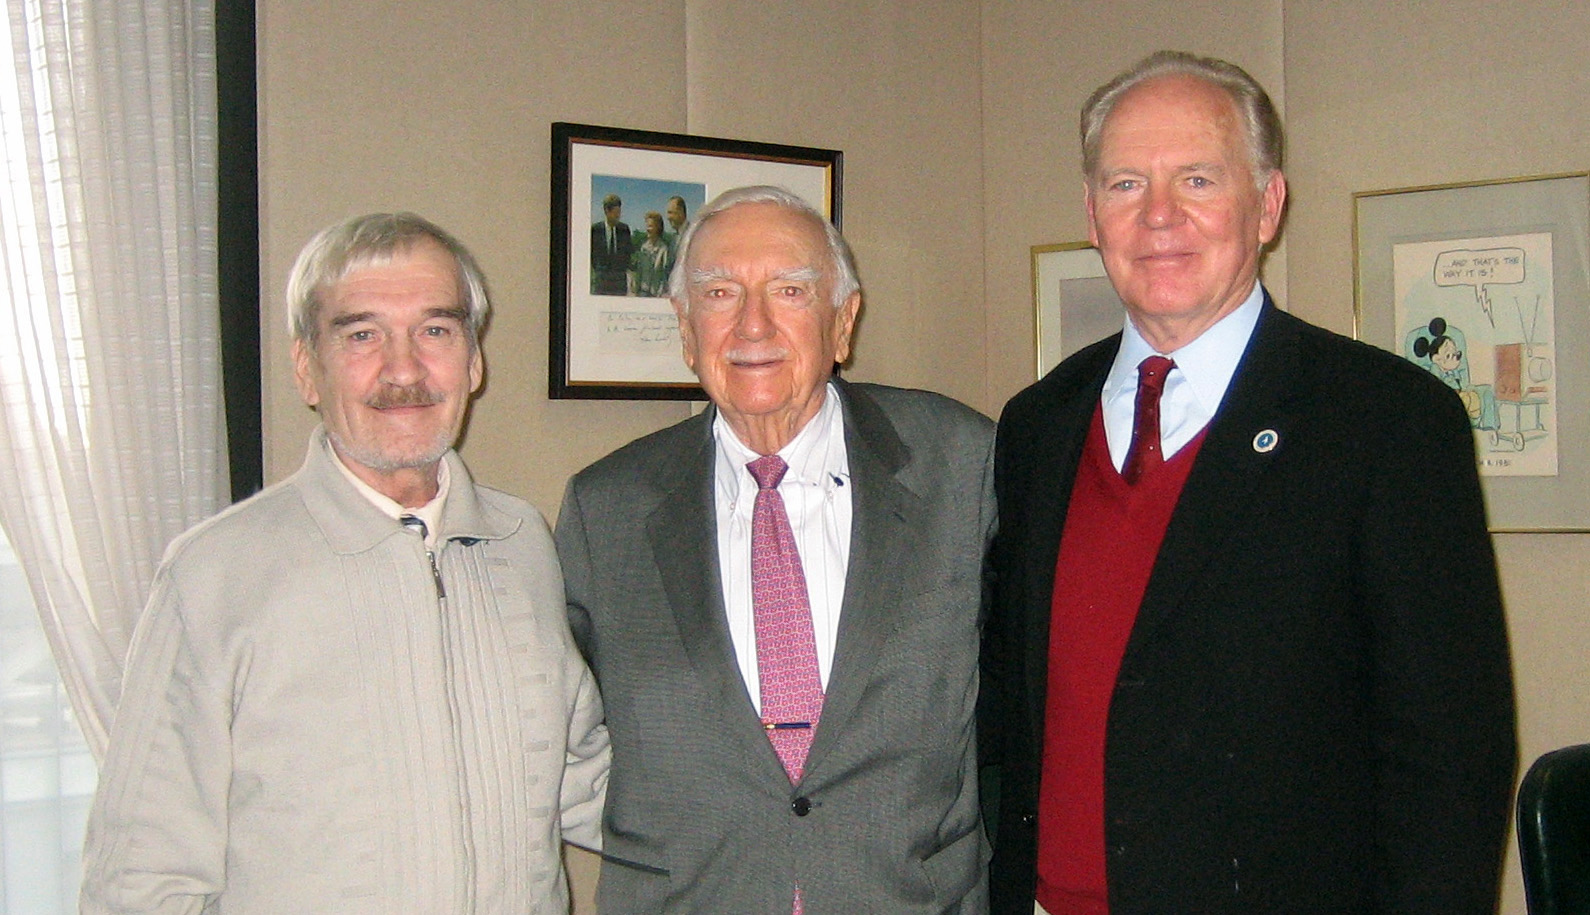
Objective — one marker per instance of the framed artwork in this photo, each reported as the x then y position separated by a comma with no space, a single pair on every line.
621,199
1486,285
1073,300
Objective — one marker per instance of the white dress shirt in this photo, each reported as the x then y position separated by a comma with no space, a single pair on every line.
1193,389
816,492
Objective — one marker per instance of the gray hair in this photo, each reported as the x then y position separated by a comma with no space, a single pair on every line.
846,279
1261,124
374,239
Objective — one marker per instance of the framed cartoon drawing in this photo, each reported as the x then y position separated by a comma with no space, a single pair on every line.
1485,286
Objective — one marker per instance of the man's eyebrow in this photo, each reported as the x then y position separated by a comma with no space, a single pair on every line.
1108,176
700,275
352,317
1215,167
455,312
801,275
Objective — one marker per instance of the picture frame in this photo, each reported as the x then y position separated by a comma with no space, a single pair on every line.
1073,302
1486,284
613,333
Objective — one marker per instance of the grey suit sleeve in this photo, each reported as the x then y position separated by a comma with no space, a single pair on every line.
988,506
574,555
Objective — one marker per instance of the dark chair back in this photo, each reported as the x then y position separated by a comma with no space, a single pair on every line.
1554,832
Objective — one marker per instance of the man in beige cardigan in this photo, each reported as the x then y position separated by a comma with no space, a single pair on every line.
356,692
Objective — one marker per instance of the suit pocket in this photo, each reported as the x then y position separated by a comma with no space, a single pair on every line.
635,865
627,885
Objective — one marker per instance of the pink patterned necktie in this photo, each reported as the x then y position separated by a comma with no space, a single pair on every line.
786,648
1145,452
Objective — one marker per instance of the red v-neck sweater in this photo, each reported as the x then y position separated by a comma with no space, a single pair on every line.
1111,538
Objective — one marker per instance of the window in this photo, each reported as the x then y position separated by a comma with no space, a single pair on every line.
109,114
47,775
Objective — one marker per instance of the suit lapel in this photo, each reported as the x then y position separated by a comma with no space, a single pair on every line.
884,513
1257,419
1048,474
683,535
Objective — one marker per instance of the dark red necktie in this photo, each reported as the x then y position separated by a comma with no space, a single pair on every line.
1145,453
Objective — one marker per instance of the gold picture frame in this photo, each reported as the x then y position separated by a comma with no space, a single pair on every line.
1486,284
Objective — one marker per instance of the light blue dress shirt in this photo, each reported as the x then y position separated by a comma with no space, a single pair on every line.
1193,389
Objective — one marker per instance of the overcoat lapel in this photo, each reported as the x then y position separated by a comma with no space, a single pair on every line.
884,518
1216,501
683,535
1055,453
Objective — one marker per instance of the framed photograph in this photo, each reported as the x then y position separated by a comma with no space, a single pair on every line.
1486,286
621,199
1073,299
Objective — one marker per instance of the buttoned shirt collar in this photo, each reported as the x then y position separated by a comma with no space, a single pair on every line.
1194,388
808,454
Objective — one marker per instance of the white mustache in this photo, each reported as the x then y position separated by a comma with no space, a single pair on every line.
757,355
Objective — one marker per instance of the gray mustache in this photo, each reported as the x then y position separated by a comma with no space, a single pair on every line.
408,396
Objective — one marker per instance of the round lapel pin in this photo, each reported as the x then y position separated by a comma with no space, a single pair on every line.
1265,441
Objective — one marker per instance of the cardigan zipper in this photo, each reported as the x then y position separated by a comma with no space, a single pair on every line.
454,716
436,576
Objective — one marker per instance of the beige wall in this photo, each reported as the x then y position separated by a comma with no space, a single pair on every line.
958,124
1040,61
444,109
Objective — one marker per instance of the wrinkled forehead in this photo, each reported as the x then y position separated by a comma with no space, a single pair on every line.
422,250
1175,109
760,236
421,264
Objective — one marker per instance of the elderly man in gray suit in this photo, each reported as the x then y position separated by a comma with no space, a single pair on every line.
780,599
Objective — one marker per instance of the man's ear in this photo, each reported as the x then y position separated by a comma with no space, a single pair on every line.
1274,204
1087,203
304,373
845,326
687,336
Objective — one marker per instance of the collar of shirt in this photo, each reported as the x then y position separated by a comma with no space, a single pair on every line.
817,499
1194,389
430,512
816,457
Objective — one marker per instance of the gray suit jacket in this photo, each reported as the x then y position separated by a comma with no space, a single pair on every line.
700,815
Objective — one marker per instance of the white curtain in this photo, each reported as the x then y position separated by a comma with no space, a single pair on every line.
112,432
